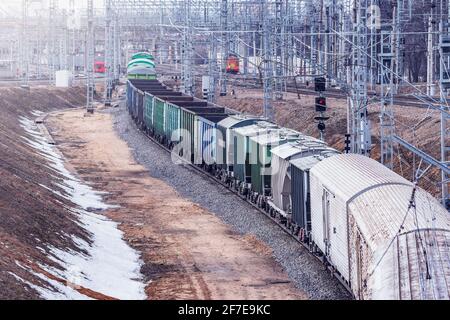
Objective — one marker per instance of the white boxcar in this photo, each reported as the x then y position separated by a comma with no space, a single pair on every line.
361,222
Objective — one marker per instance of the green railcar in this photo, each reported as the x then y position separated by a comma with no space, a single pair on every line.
241,158
261,146
172,122
244,154
148,111
158,117
187,126
226,139
260,181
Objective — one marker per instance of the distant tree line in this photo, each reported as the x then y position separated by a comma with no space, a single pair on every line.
414,25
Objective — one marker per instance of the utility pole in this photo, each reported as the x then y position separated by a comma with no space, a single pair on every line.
73,34
267,63
444,75
361,134
64,49
289,41
373,42
90,55
117,49
186,51
161,31
313,39
212,67
24,50
278,50
52,39
430,55
387,127
247,38
225,46
39,46
176,54
399,42
109,53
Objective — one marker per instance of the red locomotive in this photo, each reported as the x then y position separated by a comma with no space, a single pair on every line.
99,67
232,64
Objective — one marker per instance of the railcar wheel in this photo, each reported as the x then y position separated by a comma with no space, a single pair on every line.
272,213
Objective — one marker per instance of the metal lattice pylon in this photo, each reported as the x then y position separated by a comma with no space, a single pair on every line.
361,134
387,127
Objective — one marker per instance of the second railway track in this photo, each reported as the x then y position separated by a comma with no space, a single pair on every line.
401,100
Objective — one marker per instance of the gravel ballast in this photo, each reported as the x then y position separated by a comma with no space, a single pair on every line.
305,271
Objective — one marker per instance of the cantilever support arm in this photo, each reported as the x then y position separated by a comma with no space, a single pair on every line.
426,157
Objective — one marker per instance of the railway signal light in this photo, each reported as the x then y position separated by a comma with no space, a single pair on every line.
321,104
321,125
320,84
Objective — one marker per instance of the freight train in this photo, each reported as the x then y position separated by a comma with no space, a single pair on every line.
381,235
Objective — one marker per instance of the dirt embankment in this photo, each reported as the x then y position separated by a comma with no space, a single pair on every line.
415,125
32,218
188,253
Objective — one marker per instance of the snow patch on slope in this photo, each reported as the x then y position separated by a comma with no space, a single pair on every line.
111,267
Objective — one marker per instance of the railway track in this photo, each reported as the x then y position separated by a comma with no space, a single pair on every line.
252,83
281,223
400,100
37,82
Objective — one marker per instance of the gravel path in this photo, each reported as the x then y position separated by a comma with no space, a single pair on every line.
307,273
